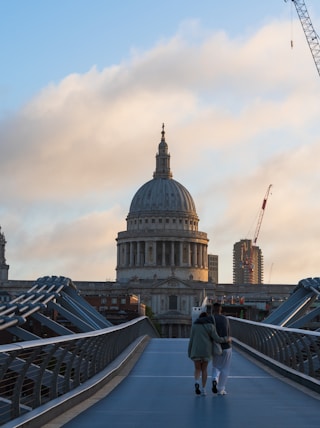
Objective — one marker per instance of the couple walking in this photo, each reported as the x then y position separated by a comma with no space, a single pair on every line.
205,330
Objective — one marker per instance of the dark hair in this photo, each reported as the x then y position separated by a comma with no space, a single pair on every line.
203,314
217,305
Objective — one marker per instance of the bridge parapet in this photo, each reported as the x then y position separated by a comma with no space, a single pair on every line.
296,349
33,373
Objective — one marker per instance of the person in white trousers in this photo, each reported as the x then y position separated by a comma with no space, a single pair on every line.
221,363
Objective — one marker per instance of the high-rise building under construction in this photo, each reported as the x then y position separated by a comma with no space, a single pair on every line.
247,263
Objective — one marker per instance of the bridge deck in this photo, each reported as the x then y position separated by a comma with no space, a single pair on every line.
159,392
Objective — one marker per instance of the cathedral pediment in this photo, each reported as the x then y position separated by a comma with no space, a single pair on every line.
172,282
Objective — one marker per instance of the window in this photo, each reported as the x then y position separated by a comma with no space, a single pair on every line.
173,303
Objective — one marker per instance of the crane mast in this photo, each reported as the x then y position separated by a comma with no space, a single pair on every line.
264,203
310,33
248,247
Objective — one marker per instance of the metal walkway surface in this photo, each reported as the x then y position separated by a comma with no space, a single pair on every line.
159,393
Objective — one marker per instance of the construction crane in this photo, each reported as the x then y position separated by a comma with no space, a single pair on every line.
248,252
263,207
311,36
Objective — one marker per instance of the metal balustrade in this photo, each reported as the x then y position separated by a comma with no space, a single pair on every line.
33,373
296,349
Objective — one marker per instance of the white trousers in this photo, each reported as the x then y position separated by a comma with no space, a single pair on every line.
221,368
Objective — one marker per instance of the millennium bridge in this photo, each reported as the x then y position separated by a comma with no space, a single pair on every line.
91,373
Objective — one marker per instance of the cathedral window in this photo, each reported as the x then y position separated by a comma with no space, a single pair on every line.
173,303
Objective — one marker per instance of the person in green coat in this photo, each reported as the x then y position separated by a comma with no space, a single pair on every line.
203,333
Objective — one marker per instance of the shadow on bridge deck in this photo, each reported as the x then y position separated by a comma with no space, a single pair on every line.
159,393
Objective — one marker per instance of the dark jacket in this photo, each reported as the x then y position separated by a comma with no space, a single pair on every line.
223,328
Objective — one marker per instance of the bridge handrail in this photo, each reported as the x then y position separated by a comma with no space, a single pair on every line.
295,348
33,373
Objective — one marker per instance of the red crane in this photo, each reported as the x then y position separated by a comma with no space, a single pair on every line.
248,252
263,207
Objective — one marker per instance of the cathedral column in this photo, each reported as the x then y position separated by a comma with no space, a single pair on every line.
195,255
200,256
138,262
146,258
172,253
126,261
189,254
181,254
163,253
154,252
131,254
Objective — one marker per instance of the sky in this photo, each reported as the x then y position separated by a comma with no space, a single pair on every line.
85,86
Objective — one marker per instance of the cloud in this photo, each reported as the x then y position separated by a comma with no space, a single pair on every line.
73,248
240,114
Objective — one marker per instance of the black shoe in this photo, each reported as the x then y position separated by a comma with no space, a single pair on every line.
197,387
214,387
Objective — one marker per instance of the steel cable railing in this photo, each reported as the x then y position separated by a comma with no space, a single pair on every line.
295,348
35,372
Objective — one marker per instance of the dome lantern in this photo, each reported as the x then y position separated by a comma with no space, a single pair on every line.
162,159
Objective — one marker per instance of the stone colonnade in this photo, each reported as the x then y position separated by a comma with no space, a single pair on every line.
162,254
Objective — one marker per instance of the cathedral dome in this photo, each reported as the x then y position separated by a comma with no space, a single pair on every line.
162,195
162,237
